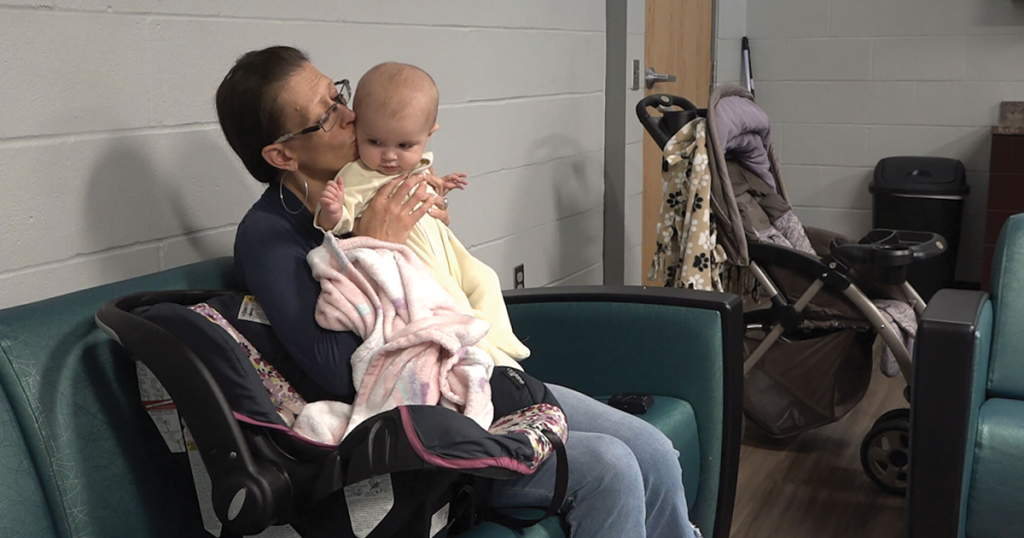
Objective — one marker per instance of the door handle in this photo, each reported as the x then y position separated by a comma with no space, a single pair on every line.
653,77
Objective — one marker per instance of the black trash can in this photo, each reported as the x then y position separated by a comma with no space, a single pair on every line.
924,194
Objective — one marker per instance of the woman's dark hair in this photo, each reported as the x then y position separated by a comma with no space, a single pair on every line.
247,104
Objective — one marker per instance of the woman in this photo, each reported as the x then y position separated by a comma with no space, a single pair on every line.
290,125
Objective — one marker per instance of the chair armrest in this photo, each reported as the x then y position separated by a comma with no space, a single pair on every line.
671,342
951,360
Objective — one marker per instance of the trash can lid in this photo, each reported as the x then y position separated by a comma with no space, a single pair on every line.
925,176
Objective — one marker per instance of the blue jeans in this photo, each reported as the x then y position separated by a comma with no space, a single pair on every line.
624,476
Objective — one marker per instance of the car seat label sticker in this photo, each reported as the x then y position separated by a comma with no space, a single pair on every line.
252,311
368,502
439,520
160,407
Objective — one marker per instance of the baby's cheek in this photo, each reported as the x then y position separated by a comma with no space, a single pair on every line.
412,159
369,155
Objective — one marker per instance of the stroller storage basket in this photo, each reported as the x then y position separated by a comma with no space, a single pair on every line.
809,381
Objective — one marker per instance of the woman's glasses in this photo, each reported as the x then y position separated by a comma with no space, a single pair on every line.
330,118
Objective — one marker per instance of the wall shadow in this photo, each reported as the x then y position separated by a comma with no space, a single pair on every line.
999,13
131,200
572,182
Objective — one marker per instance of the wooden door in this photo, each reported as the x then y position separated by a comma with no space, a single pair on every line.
677,42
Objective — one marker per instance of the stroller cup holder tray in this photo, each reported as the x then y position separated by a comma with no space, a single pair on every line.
891,251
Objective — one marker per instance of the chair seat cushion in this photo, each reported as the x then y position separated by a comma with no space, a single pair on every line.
672,416
993,506
676,419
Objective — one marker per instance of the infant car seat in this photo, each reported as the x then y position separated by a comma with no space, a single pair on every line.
217,361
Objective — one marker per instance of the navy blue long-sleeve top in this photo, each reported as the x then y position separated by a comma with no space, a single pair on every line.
270,258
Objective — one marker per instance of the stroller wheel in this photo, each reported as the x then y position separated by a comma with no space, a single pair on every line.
885,454
902,413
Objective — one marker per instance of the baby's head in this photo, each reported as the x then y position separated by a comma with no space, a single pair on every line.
396,111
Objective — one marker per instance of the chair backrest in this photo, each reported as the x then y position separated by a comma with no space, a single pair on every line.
1006,371
23,509
595,330
99,464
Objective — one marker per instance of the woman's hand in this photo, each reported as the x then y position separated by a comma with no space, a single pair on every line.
442,186
390,217
440,210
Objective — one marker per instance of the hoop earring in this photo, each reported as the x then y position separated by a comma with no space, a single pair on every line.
280,192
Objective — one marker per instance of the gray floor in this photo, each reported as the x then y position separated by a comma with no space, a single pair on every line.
814,486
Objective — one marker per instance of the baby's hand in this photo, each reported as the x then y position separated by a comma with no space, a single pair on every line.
332,205
454,181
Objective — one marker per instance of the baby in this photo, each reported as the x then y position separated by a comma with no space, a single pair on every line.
396,111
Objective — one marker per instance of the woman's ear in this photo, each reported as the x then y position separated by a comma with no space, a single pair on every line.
279,157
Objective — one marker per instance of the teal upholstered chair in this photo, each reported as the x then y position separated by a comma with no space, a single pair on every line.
967,413
80,457
680,345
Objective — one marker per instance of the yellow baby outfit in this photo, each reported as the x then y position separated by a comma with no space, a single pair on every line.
472,283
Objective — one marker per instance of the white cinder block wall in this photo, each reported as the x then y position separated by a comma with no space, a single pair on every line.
731,19
112,163
849,82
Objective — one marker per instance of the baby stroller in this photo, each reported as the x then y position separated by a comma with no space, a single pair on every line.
812,297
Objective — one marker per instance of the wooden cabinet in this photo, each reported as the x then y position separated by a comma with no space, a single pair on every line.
1005,193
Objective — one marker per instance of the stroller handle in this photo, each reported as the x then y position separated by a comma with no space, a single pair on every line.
662,128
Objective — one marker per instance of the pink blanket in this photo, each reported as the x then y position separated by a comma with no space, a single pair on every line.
418,348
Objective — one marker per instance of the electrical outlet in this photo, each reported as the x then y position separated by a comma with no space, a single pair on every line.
518,278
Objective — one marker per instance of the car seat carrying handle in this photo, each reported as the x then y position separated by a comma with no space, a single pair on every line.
664,127
244,493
